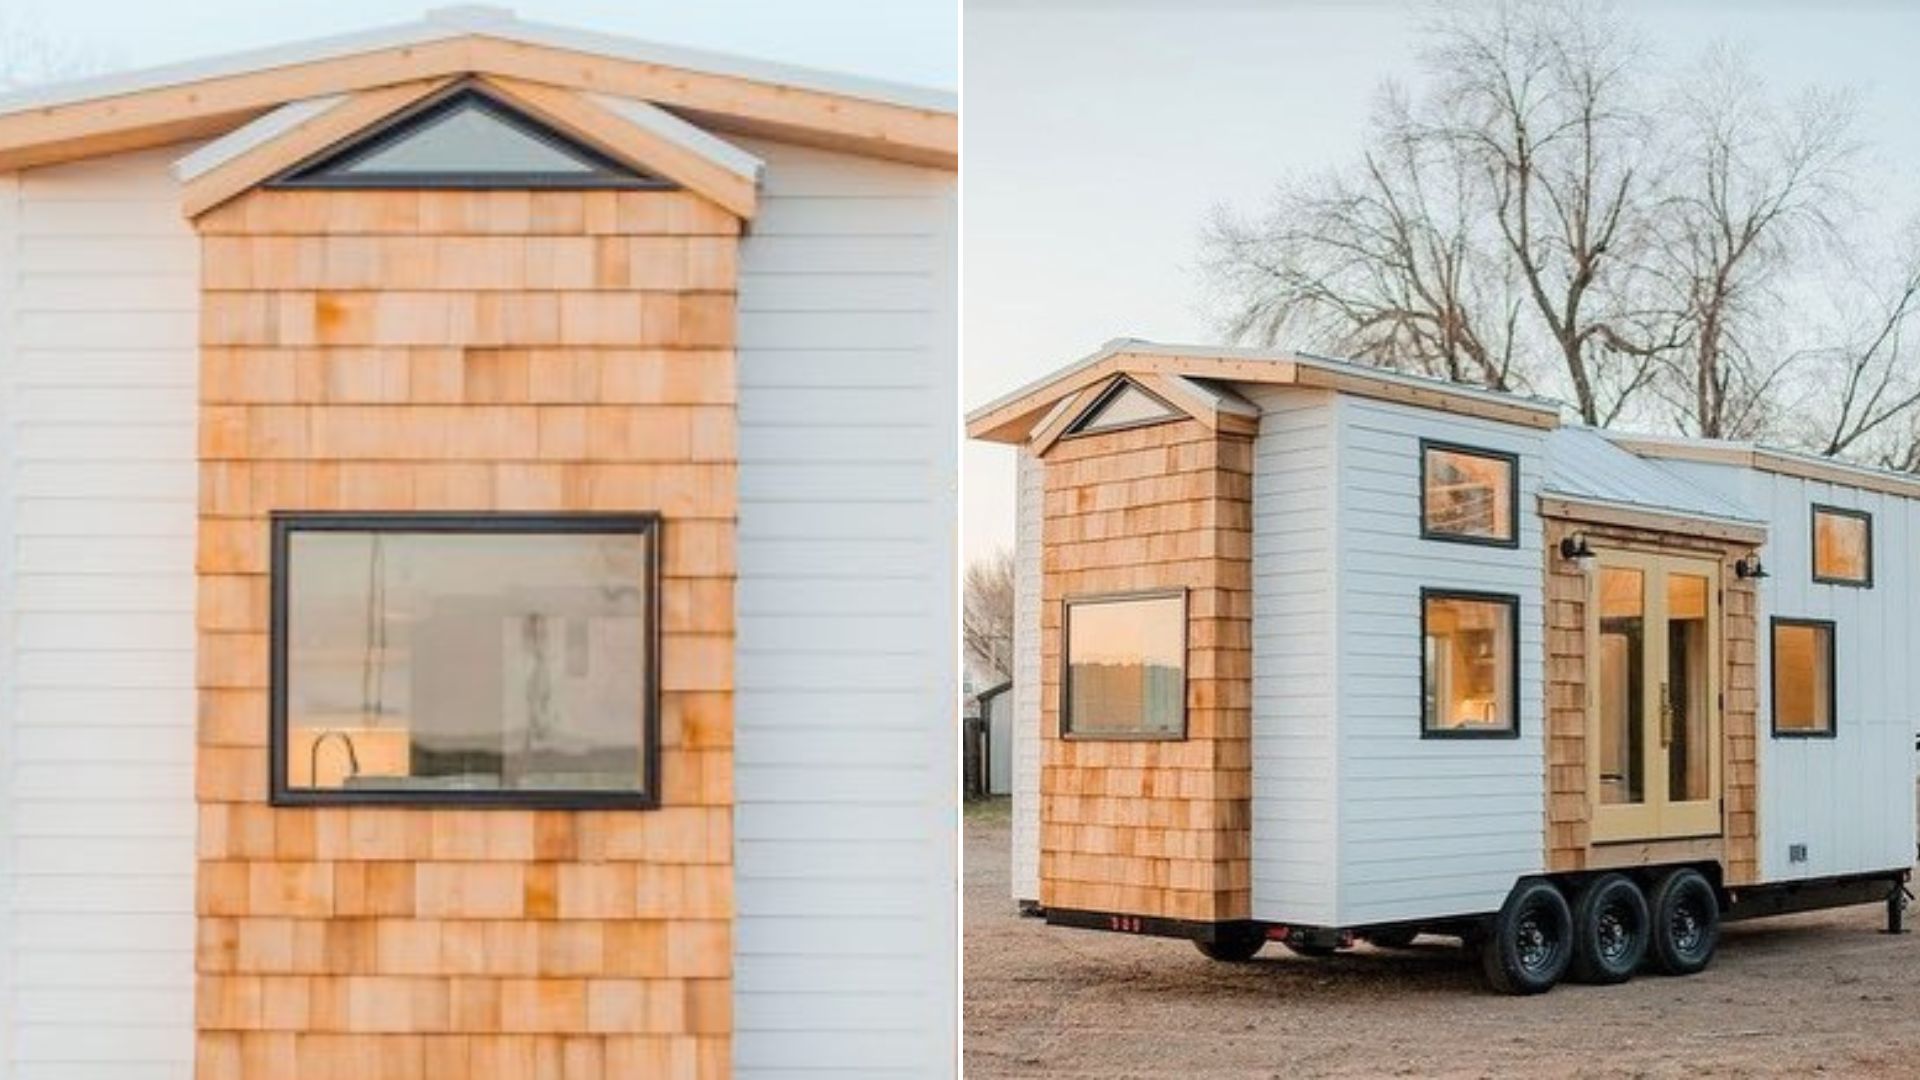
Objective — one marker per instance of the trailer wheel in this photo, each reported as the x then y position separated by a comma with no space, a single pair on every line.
1530,942
1398,937
1610,926
1686,922
1310,950
1233,944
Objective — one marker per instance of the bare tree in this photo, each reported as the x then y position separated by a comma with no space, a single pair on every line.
1862,396
987,619
1753,187
1381,265
1541,98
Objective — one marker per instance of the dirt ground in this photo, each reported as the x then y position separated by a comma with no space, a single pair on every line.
1800,995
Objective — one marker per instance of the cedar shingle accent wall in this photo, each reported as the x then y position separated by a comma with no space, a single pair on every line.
470,351
1569,844
1153,828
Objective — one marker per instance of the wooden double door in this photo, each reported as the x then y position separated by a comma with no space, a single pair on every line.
1654,630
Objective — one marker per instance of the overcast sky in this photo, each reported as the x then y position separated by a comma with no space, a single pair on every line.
1097,137
914,41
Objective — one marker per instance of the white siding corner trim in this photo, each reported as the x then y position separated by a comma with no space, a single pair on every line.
1031,499
846,773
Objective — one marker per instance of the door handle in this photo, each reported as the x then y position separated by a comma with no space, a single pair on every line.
1666,716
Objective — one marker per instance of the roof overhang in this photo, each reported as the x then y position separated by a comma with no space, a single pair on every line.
159,106
1770,460
1596,511
641,135
1013,418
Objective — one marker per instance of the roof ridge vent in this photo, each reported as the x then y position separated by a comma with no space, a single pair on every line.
470,16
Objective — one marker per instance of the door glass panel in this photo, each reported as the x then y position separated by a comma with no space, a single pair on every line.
1686,728
1622,684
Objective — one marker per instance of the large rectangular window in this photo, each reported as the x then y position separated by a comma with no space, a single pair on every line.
1468,495
1469,677
492,659
1803,683
1126,667
1842,546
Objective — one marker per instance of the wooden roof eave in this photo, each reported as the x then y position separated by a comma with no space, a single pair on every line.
641,135
198,107
1011,419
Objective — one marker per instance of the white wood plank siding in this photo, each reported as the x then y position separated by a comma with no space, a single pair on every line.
1849,799
1295,779
1030,501
1429,827
846,776
99,282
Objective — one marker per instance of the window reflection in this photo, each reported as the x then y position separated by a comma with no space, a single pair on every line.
1467,494
1842,546
1803,677
1126,666
465,661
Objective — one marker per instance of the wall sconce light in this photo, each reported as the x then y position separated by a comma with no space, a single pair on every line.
1576,547
1750,568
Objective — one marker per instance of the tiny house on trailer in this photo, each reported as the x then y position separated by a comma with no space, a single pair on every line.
478,565
1312,652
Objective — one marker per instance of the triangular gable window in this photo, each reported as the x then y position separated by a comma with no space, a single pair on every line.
1124,405
465,139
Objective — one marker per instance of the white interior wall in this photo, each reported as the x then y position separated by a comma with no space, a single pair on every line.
846,767
98,361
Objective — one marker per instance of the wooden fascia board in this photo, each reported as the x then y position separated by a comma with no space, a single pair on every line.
1581,511
155,117
1012,421
568,111
355,114
1050,432
1762,459
1180,394
1361,385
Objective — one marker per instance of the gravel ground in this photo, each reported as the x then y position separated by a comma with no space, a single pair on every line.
1806,994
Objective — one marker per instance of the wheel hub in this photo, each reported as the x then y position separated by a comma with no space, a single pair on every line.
1614,934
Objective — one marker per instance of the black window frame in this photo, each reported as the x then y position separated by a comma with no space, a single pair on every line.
1078,428
1813,545
321,170
285,523
1512,461
1067,605
1512,602
1773,677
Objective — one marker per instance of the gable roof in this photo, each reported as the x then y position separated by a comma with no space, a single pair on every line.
1013,417
634,133
152,107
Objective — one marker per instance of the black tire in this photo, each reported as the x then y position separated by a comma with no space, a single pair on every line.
1611,928
1233,944
1310,950
1398,937
1530,942
1686,922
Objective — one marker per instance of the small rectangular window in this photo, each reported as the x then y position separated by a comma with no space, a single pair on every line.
1469,677
1126,667
1468,495
491,659
1842,546
1803,682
